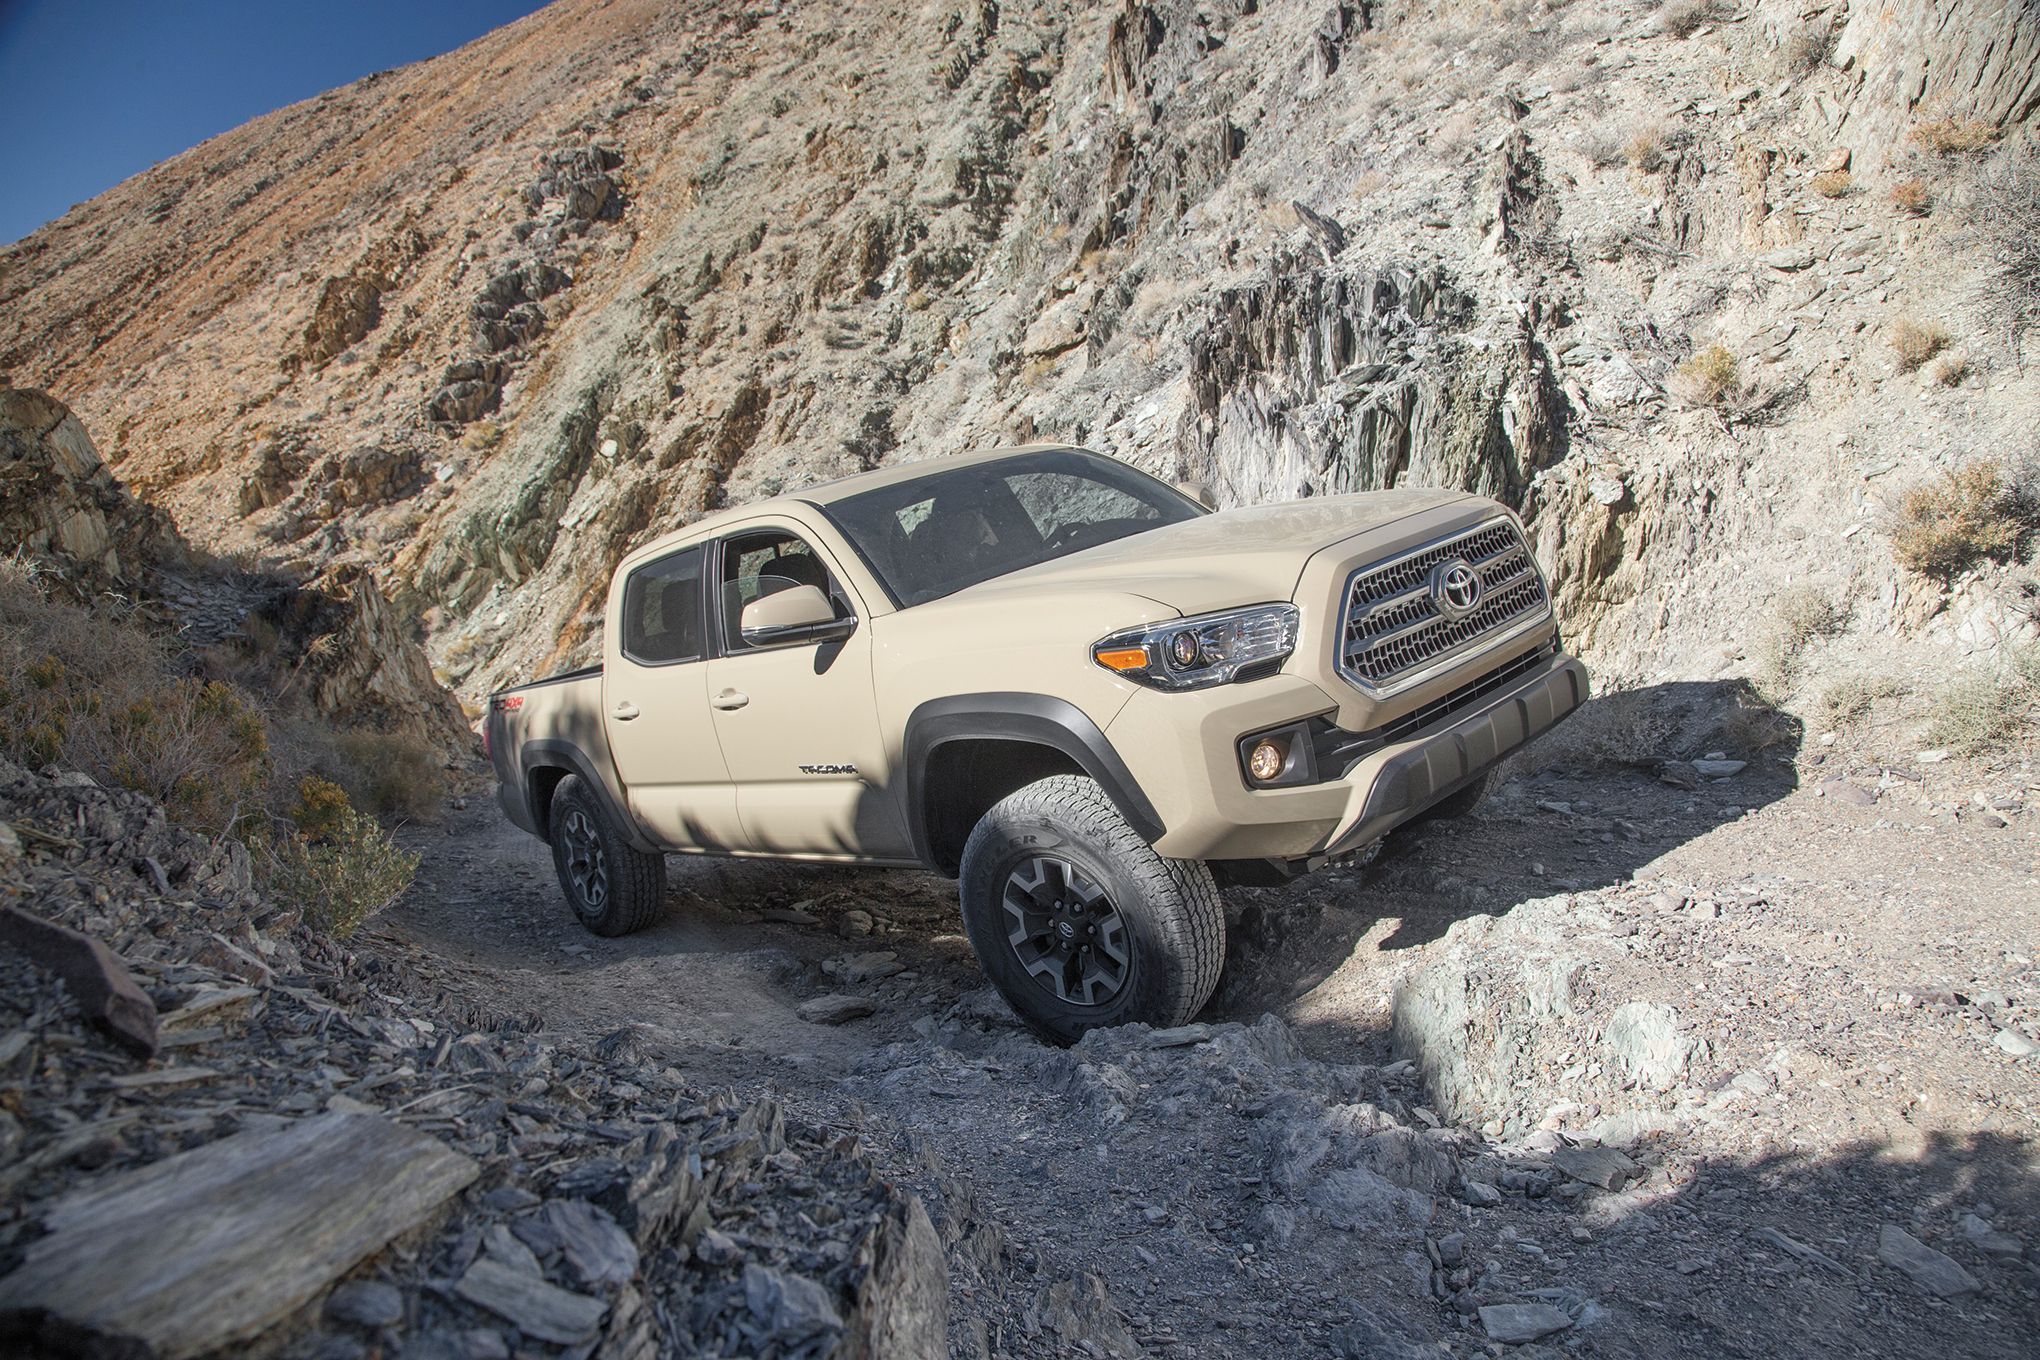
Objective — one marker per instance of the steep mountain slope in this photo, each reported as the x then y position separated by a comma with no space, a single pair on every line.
481,323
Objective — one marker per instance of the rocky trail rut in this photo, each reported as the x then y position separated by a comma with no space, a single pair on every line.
1623,1064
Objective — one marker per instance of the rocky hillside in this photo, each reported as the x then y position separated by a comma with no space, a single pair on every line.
1704,288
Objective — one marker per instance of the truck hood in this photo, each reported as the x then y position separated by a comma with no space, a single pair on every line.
1237,557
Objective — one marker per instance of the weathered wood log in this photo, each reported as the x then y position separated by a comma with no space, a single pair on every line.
107,997
211,1247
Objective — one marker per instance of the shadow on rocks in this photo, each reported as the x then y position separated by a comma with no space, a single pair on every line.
1630,777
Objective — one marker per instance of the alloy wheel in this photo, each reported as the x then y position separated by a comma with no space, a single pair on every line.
587,865
1065,931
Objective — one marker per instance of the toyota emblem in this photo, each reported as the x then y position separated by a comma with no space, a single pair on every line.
1455,588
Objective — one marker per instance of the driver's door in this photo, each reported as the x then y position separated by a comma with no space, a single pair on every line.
798,724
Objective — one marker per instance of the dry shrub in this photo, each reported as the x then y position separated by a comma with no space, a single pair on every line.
482,436
1986,710
342,869
1912,196
1950,136
1709,378
1833,184
2005,214
1915,342
1806,47
1645,151
1975,513
84,689
391,774
1850,699
1683,18
1803,616
1950,370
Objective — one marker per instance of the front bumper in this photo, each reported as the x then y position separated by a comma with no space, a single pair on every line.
1209,813
1401,781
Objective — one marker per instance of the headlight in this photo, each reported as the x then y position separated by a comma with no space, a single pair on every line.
1211,649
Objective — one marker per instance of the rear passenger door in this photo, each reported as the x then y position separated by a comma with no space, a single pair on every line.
655,705
799,724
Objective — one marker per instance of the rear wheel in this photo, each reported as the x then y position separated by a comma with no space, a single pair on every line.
1076,919
613,887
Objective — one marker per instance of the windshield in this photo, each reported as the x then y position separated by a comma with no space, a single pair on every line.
937,534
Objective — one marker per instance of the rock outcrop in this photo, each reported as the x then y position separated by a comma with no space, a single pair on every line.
60,504
359,662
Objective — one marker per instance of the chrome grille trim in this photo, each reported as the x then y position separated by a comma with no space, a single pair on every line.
1395,637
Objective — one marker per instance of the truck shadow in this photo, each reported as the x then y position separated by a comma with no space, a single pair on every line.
1596,801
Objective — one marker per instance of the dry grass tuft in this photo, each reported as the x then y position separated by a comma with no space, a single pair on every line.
1953,136
1806,47
1709,378
1915,342
1990,709
1683,18
1976,513
1803,616
1852,698
83,689
1912,196
482,436
1950,370
1834,184
1645,152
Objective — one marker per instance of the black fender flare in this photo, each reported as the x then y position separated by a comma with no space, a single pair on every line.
1012,716
554,754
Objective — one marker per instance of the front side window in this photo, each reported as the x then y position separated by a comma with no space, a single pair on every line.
662,609
761,564
935,535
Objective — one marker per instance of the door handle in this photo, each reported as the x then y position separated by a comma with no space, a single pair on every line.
730,698
624,711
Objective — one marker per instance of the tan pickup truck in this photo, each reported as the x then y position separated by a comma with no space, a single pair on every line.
1050,676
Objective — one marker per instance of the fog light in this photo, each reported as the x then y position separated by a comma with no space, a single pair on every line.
1266,761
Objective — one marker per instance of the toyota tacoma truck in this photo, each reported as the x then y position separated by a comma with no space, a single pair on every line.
1062,682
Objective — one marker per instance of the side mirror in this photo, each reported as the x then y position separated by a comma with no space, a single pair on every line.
1199,492
795,615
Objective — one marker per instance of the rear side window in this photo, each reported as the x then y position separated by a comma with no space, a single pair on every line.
662,611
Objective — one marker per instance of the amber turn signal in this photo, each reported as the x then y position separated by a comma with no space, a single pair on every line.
1267,759
1123,658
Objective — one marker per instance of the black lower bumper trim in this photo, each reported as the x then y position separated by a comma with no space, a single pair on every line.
1412,780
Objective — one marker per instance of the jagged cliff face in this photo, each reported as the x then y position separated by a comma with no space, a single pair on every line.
479,325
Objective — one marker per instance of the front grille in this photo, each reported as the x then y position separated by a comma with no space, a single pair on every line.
1395,631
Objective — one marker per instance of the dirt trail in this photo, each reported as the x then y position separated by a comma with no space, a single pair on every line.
1279,1187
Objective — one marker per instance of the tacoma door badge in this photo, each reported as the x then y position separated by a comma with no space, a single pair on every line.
828,769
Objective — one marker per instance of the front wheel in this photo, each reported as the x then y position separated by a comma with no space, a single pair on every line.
1076,919
613,887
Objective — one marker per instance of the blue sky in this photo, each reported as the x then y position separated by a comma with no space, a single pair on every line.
93,91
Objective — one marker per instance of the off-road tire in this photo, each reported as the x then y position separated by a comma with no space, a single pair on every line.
633,886
1173,923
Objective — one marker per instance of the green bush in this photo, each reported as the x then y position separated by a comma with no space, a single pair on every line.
343,874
